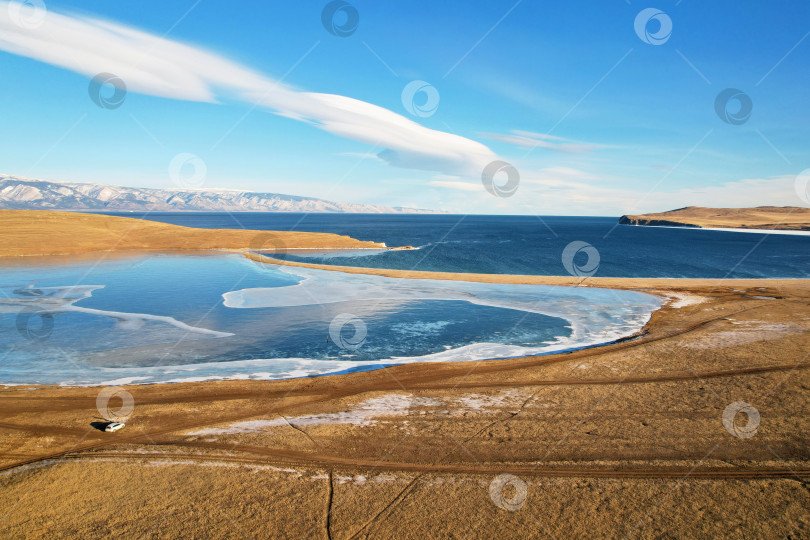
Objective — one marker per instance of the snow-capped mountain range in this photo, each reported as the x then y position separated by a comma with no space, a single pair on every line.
17,193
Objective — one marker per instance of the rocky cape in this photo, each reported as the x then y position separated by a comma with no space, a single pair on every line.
791,218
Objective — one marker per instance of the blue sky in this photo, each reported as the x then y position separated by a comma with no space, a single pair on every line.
595,120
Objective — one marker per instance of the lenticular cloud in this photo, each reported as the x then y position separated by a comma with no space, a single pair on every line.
149,64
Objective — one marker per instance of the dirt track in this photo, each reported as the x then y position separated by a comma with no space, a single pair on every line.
282,456
285,457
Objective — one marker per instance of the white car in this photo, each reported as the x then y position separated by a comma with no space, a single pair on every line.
114,426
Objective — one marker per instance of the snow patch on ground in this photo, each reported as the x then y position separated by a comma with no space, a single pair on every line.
486,403
169,462
371,411
748,332
679,300
364,414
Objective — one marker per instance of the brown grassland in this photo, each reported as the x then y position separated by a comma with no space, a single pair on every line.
44,232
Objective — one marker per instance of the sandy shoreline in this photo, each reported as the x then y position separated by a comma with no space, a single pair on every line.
515,279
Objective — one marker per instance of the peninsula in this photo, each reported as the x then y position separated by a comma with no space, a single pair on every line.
790,218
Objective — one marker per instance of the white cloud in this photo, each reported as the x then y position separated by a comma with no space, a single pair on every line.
152,65
558,175
774,191
564,191
359,155
582,196
457,185
529,139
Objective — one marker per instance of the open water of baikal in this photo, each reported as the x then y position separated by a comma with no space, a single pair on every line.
532,245
168,317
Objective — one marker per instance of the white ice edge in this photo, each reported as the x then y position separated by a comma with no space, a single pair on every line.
382,247
62,299
728,229
604,320
325,287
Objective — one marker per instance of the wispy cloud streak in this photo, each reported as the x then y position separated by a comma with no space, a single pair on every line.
152,65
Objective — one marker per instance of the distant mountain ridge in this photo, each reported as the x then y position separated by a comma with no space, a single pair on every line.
17,193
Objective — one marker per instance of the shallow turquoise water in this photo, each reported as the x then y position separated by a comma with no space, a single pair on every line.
163,317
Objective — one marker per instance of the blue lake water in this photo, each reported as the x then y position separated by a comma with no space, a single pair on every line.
170,317
533,245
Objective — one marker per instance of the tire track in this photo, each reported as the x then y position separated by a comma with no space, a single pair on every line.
286,457
149,437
